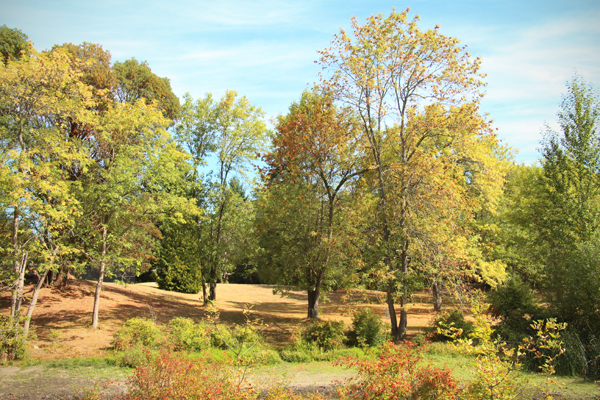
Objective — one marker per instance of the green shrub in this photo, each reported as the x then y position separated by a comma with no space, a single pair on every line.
13,345
516,306
138,332
573,361
366,329
448,319
174,275
325,334
188,336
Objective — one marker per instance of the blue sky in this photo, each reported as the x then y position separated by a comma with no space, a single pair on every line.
266,49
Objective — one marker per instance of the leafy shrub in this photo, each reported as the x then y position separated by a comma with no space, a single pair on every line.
398,373
137,332
131,357
170,376
174,275
366,329
325,334
515,304
13,345
454,319
188,336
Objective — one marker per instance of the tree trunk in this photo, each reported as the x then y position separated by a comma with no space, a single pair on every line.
391,309
15,239
34,298
20,283
401,332
100,280
212,296
436,293
204,294
313,304
313,297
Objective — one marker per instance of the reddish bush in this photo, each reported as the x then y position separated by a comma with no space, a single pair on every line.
399,373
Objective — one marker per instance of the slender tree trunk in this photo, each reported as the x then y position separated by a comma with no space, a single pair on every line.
100,280
34,298
391,309
436,293
15,238
20,283
212,296
204,294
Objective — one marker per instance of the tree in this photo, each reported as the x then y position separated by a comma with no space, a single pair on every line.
416,95
232,131
38,96
570,201
316,157
136,81
133,182
14,44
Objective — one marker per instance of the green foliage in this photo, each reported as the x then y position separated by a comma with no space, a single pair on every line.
138,332
326,335
515,304
453,319
366,329
13,345
136,81
188,336
14,44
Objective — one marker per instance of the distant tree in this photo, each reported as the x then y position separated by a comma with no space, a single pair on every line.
13,44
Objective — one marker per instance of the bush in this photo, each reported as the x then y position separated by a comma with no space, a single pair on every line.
188,336
366,329
13,345
448,319
137,332
326,335
170,376
516,306
398,373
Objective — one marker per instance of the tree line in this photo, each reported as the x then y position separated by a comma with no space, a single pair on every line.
385,175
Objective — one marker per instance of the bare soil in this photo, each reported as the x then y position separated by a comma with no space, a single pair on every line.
61,323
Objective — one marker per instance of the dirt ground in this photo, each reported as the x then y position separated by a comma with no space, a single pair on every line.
62,318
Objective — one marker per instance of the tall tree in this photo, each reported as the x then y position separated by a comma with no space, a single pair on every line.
317,155
133,182
39,95
232,132
570,200
416,94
